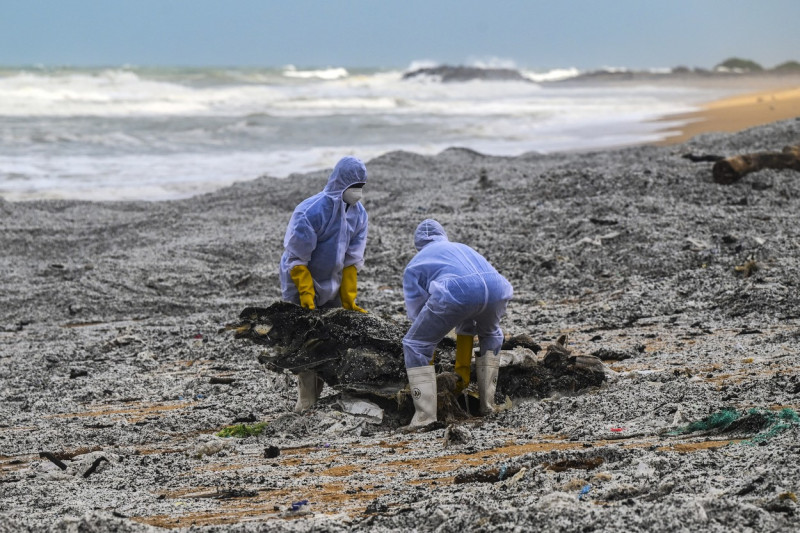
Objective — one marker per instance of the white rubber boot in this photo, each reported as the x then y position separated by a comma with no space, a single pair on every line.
486,368
309,387
422,382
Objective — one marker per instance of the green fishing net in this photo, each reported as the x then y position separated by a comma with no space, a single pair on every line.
763,422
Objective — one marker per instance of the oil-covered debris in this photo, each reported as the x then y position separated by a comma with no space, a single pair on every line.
341,346
584,463
362,355
558,371
490,475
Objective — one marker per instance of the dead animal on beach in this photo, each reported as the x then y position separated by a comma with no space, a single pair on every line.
361,355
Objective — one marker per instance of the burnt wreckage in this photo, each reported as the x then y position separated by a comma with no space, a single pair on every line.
361,355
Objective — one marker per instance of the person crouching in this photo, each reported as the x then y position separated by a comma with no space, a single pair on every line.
449,285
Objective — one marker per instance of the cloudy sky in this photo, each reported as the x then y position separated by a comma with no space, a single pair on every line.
533,34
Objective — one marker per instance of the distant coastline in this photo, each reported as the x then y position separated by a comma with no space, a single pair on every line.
730,69
736,113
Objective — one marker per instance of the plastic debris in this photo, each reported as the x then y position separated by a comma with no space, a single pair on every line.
617,430
53,459
644,470
211,447
584,491
516,477
679,418
296,506
369,410
94,466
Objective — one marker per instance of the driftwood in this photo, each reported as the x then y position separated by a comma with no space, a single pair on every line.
732,169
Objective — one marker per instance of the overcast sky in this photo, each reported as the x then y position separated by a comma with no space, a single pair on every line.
534,34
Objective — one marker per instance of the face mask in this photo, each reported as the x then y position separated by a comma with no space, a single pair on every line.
352,195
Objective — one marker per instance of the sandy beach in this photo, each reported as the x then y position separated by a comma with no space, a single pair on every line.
115,364
737,113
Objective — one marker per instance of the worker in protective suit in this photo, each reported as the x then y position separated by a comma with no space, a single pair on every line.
324,250
449,285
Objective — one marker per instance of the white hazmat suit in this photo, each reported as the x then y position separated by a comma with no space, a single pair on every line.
449,285
324,248
326,235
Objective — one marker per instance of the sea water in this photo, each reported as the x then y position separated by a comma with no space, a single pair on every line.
158,134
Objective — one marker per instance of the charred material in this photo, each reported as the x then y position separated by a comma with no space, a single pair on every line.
558,371
362,355
343,347
491,475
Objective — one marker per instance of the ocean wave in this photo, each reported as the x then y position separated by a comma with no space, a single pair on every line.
422,63
492,63
164,133
323,74
558,74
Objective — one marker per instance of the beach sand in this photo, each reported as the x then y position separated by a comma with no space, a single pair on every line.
114,360
736,113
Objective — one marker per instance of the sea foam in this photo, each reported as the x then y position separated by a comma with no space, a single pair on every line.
144,133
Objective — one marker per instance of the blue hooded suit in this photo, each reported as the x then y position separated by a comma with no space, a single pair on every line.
326,236
449,285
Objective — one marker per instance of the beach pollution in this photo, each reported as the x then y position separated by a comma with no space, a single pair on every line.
646,378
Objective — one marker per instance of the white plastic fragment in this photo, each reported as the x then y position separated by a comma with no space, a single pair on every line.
358,407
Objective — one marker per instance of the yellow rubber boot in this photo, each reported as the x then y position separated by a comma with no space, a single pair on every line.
348,290
305,285
463,360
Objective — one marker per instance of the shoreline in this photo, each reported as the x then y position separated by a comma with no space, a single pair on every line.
733,114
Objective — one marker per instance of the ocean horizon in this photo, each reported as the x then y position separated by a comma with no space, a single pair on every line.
146,133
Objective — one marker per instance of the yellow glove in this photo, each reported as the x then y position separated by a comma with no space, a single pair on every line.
305,285
463,360
347,291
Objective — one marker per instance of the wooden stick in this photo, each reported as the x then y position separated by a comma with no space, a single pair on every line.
732,169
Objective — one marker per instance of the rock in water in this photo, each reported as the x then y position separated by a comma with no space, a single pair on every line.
448,73
362,355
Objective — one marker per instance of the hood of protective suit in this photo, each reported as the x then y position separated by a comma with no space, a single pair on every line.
427,232
348,171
